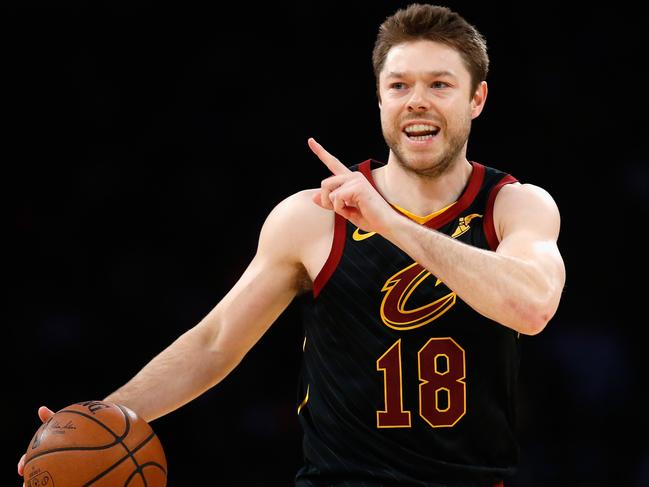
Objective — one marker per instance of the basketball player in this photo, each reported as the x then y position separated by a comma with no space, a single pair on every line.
424,272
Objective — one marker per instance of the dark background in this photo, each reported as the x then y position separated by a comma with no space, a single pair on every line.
143,147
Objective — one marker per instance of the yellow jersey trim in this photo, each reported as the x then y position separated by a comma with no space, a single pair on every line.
422,219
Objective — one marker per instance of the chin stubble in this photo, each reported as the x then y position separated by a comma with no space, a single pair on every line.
438,166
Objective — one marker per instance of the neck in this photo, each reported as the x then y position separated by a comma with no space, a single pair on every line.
419,194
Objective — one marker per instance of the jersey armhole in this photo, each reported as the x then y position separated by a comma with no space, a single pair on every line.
488,223
337,246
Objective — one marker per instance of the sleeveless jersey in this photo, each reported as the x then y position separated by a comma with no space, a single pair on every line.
402,382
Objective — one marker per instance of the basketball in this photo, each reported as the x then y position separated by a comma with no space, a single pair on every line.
95,444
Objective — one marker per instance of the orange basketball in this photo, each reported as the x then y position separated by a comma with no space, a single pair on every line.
95,444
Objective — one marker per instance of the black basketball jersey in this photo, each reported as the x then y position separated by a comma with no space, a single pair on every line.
402,382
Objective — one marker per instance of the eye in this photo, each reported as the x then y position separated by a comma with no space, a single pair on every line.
397,86
439,84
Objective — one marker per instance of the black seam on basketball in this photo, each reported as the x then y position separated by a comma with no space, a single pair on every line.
130,477
128,427
92,418
128,423
154,464
118,439
70,448
121,460
142,467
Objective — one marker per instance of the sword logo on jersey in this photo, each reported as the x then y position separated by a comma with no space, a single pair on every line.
399,288
463,224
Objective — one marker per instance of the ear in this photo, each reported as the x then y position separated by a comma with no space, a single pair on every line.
478,100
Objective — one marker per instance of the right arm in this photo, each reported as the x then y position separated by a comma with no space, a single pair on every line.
294,232
205,354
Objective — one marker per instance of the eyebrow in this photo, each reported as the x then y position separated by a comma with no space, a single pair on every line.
436,73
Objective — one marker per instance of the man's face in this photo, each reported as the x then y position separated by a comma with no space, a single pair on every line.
427,105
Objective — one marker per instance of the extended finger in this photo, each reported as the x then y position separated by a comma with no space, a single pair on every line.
334,165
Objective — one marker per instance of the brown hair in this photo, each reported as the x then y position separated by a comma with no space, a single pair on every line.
433,23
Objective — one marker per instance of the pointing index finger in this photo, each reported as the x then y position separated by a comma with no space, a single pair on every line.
334,165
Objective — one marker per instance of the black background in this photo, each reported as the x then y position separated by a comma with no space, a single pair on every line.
143,147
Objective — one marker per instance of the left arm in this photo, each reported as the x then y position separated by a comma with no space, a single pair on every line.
520,284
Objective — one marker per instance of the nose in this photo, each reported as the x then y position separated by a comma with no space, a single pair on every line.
418,101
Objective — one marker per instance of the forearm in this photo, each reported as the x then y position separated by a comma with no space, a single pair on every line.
509,290
180,373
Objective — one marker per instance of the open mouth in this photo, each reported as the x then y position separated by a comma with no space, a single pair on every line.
421,132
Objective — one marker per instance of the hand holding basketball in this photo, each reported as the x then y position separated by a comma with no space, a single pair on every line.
96,444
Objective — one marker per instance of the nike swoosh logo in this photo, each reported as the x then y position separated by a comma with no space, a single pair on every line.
358,236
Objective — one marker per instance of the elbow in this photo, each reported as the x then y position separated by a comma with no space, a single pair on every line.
541,306
535,324
531,318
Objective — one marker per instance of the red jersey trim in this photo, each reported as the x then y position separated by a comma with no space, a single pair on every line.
337,246
366,169
488,225
340,225
470,192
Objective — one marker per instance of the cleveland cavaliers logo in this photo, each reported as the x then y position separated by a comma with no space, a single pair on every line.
399,288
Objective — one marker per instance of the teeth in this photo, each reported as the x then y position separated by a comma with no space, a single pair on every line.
420,127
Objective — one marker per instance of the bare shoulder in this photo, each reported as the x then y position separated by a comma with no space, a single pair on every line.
524,197
299,212
521,205
301,204
299,230
529,194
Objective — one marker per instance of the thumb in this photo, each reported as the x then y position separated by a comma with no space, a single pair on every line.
21,466
45,413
